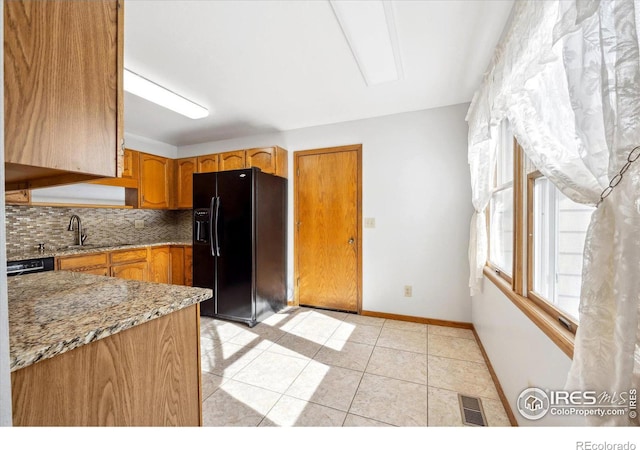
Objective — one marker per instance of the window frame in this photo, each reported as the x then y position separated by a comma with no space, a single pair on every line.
499,187
519,286
538,299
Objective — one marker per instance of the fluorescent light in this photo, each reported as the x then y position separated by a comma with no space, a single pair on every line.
369,27
155,93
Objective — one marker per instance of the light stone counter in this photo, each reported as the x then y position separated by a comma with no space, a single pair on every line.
85,249
53,312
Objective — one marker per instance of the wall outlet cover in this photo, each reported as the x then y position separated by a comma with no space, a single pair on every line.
408,291
369,222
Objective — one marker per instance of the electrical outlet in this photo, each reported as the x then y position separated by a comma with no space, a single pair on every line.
369,222
139,224
408,291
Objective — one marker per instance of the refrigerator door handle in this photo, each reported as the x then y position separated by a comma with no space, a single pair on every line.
217,216
211,233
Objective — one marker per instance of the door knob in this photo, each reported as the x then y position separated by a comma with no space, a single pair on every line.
351,241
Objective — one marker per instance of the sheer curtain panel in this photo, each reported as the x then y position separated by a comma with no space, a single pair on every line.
566,75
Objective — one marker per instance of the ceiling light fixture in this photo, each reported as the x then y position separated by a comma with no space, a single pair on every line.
155,93
370,30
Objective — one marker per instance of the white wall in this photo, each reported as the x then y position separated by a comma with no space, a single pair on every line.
416,185
5,371
143,144
521,355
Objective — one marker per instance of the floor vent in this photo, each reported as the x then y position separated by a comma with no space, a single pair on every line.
472,412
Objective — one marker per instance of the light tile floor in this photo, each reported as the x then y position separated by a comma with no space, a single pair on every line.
310,367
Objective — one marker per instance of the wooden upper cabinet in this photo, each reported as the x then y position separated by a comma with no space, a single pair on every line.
22,197
271,160
155,179
208,163
63,98
184,167
231,160
131,164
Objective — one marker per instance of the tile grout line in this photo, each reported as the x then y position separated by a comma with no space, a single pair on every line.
362,376
428,372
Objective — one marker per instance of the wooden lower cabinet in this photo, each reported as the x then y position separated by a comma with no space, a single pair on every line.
166,264
148,375
84,263
177,265
160,264
104,271
188,266
130,264
131,271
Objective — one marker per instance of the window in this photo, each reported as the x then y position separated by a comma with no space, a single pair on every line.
558,228
536,243
501,208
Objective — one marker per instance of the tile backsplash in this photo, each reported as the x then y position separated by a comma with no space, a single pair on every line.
27,226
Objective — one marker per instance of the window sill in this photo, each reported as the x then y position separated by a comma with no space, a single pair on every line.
563,338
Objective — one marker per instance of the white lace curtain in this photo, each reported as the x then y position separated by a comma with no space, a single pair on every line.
567,77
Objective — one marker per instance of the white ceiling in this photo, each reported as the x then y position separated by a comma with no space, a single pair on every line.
264,66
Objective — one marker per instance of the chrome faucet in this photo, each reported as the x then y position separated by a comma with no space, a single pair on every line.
80,238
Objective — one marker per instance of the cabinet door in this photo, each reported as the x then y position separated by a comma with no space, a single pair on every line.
131,271
264,158
231,160
177,265
160,264
131,168
154,181
62,90
208,163
185,168
188,266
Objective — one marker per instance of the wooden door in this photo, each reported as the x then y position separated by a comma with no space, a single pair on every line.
328,246
154,181
231,160
208,163
184,182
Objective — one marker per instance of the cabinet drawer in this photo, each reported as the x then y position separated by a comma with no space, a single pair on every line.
104,271
82,262
125,256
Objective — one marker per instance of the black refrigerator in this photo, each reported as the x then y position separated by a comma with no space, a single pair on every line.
240,243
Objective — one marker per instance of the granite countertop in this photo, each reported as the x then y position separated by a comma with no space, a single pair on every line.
54,312
87,248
